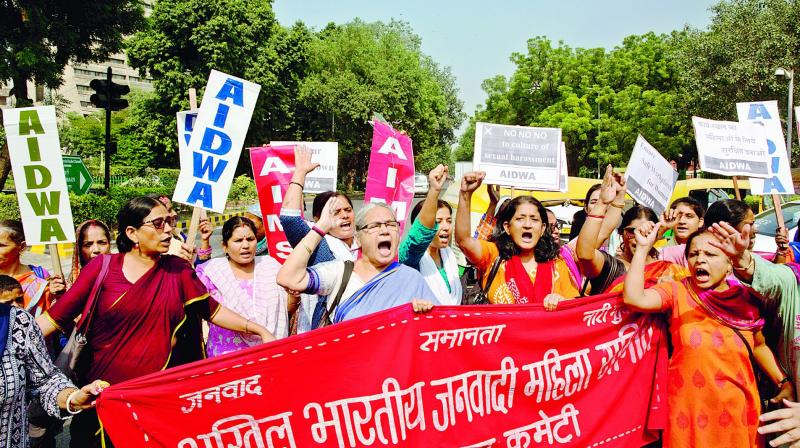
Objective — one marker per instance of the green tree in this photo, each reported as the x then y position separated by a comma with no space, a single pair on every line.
38,38
359,68
600,99
186,39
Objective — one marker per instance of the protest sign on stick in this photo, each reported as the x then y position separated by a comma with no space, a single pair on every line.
35,151
731,148
779,181
209,162
563,181
390,178
650,177
518,156
455,377
326,154
272,170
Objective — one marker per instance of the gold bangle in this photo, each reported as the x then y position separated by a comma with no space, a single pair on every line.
310,250
619,206
749,265
246,324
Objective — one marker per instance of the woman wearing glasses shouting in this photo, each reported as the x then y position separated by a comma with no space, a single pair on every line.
374,282
147,308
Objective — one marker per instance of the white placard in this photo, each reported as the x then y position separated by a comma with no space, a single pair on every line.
209,161
518,156
35,150
650,177
324,177
731,148
186,120
563,180
765,113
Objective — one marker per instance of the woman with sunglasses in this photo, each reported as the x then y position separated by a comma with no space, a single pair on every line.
377,281
523,254
148,309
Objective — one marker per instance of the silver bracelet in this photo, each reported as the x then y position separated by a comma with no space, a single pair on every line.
69,400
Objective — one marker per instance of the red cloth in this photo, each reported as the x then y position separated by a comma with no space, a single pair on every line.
132,328
521,286
503,375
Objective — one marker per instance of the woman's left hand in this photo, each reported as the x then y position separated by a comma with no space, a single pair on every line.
551,301
187,252
782,238
421,306
86,396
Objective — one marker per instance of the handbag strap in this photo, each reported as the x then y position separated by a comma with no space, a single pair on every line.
348,270
91,302
749,349
490,278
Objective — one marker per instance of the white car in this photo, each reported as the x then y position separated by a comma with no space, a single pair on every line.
766,224
420,183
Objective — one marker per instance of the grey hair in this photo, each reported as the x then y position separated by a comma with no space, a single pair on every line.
361,216
14,229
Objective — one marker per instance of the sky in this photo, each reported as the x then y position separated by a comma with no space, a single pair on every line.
476,38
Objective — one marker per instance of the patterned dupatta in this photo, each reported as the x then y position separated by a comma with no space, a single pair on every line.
734,307
522,288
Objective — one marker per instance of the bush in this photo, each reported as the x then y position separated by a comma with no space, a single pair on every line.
9,207
167,176
243,190
754,202
142,182
125,171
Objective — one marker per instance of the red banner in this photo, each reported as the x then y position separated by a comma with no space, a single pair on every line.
391,170
272,170
508,376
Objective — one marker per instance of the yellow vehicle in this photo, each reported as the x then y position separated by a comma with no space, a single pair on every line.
708,191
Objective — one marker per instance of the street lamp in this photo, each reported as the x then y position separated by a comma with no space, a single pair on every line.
788,74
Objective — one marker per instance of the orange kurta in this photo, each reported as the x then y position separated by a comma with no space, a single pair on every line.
712,393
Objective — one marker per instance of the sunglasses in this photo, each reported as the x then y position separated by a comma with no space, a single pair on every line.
158,223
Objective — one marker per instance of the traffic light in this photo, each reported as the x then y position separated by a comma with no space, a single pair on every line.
108,90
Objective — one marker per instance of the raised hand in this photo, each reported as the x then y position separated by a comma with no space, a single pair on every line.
646,235
471,181
782,238
729,240
608,189
494,193
437,177
669,219
302,159
206,229
327,218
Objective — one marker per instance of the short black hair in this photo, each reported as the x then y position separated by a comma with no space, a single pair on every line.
9,283
732,211
692,203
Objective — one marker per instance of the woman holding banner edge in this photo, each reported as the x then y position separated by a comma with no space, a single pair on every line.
148,308
529,266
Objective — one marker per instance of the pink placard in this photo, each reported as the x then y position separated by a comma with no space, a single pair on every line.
390,178
272,170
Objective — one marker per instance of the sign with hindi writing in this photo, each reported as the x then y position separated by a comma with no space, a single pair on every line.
518,156
731,148
272,171
209,161
35,150
390,178
765,113
326,154
650,177
591,374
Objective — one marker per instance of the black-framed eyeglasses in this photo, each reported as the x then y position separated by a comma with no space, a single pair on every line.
158,223
554,226
375,226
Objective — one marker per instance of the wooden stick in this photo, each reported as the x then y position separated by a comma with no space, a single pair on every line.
736,188
776,202
196,211
56,258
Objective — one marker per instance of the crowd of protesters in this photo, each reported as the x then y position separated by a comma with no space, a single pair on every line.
153,299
